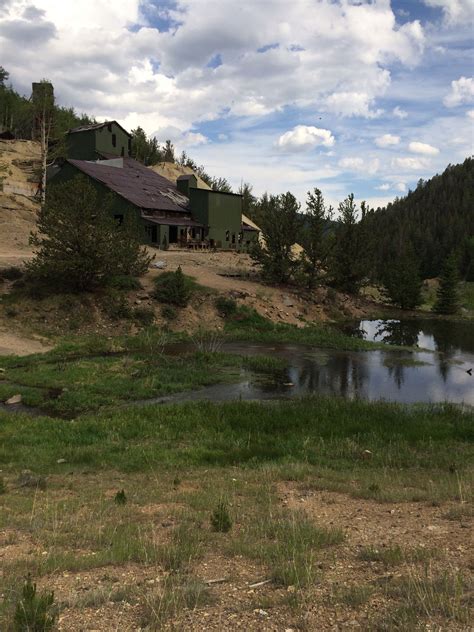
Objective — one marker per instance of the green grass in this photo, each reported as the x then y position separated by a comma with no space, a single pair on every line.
395,555
247,324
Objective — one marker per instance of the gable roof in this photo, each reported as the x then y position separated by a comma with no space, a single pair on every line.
86,128
135,183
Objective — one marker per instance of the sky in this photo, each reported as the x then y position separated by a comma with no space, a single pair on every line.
362,96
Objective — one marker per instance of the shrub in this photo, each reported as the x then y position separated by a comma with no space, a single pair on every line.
125,282
11,274
116,306
120,498
3,487
225,306
174,287
169,312
220,518
34,612
144,315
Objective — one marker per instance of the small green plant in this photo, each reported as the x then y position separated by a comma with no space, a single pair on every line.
220,518
169,312
11,274
174,287
125,282
120,498
34,612
3,487
116,306
225,306
144,315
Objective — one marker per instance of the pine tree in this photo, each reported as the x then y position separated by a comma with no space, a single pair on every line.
315,245
351,253
447,301
79,245
279,220
403,282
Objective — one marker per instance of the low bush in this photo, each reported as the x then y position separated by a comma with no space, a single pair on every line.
220,518
226,306
34,612
144,315
175,288
125,282
11,274
169,312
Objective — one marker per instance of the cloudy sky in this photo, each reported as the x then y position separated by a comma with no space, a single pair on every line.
362,96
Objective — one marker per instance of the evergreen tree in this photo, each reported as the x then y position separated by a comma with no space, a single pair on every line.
350,260
447,301
280,222
248,199
403,282
144,149
220,184
313,239
79,246
168,153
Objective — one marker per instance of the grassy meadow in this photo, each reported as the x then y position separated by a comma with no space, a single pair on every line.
201,516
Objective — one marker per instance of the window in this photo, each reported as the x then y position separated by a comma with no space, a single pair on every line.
227,235
129,146
109,127
119,219
233,238
114,140
122,153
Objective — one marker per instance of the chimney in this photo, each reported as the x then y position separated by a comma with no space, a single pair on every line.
186,182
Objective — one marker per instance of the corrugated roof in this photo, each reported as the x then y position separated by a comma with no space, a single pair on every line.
137,184
86,128
167,221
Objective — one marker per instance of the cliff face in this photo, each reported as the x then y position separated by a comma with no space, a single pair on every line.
19,162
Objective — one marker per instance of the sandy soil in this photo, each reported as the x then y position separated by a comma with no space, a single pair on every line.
17,344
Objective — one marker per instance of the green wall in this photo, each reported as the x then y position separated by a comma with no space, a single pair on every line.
120,206
222,212
87,144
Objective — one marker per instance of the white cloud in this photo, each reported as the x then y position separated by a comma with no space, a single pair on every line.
387,140
352,104
399,113
423,148
401,186
383,187
410,164
360,165
335,53
462,91
455,11
470,114
305,137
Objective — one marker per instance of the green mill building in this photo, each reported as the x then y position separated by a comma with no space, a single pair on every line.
167,212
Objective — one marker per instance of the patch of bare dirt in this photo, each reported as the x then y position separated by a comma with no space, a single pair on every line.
19,160
17,344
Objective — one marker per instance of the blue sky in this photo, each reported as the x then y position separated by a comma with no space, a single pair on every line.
346,95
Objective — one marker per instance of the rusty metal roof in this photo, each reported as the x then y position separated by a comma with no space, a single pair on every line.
136,183
86,128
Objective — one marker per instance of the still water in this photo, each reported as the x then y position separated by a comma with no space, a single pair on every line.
440,371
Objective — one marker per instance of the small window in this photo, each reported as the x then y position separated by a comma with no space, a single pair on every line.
114,140
122,153
129,146
109,127
227,235
233,238
119,219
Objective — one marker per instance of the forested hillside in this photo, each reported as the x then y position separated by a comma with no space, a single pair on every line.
431,221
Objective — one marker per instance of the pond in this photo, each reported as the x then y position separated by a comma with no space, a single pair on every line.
440,371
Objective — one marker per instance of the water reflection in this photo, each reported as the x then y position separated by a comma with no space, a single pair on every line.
395,375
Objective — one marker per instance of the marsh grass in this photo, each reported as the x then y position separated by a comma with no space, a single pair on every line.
396,555
424,594
353,596
177,593
287,543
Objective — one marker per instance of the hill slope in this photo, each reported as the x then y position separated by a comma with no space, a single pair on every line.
18,208
434,219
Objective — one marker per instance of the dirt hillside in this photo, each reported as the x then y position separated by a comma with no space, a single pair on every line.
18,208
